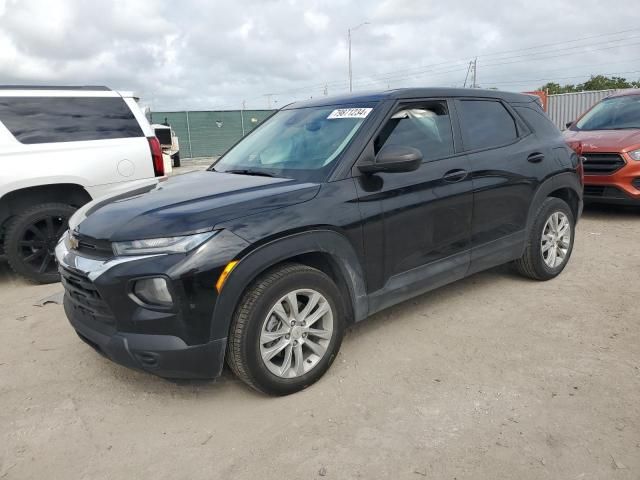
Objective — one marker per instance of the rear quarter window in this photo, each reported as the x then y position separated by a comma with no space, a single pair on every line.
538,121
33,120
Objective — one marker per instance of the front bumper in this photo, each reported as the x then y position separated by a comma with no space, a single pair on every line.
172,342
610,194
163,355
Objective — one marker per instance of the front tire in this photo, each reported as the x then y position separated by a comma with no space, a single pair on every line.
550,241
287,330
31,239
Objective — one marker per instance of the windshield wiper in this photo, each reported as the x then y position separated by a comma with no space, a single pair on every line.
246,171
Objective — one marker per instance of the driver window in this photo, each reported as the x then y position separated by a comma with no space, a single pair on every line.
425,126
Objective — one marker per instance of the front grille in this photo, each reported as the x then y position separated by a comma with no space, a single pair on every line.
602,163
85,297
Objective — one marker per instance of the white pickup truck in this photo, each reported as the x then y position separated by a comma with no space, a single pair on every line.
168,141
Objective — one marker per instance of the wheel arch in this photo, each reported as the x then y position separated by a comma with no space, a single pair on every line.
19,200
326,250
570,197
565,186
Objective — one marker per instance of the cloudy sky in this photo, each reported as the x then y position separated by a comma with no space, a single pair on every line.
212,54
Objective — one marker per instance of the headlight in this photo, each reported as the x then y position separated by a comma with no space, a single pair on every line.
635,155
181,244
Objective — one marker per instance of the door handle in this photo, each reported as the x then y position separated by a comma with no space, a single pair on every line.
455,175
536,157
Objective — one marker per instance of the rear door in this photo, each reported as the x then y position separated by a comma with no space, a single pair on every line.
507,163
417,224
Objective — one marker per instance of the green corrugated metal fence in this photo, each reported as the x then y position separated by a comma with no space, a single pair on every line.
210,133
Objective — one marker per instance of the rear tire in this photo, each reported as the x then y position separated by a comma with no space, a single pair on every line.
550,241
263,323
176,159
31,238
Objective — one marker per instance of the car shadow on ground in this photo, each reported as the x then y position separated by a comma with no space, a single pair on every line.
227,383
605,212
9,278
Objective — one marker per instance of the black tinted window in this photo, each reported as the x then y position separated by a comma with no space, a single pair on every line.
538,120
65,119
163,135
486,124
426,127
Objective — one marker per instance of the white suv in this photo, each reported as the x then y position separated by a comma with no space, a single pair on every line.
61,147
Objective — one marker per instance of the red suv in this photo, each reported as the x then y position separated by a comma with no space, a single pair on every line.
609,134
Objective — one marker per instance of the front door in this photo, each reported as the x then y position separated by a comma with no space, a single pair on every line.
417,229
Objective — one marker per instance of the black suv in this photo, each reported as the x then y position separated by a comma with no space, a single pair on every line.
328,212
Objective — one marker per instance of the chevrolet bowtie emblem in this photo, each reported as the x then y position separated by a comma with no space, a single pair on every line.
73,242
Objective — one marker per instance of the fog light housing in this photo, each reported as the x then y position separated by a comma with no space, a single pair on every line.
154,291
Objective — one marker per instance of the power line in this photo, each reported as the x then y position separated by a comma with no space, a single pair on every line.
375,80
449,63
561,43
549,54
413,70
431,71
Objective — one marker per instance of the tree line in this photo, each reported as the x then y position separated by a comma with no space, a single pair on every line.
596,82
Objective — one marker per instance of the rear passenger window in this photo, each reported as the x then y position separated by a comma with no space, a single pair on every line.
485,124
67,119
426,127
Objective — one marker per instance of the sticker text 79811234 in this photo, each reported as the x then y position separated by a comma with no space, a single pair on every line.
349,113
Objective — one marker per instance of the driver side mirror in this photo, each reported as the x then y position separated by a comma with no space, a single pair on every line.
394,158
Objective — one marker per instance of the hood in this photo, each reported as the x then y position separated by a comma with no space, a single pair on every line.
187,203
610,141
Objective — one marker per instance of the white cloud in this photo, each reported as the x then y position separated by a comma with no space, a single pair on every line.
316,21
195,54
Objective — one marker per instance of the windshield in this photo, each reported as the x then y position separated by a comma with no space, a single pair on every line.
615,113
301,143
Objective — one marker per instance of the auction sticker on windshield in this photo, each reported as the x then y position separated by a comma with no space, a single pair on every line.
349,113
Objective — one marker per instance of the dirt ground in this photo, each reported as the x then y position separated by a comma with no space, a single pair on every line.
492,377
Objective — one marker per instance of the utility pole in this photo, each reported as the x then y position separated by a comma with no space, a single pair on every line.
349,30
473,64
242,108
189,134
350,73
326,90
269,95
475,73
466,77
